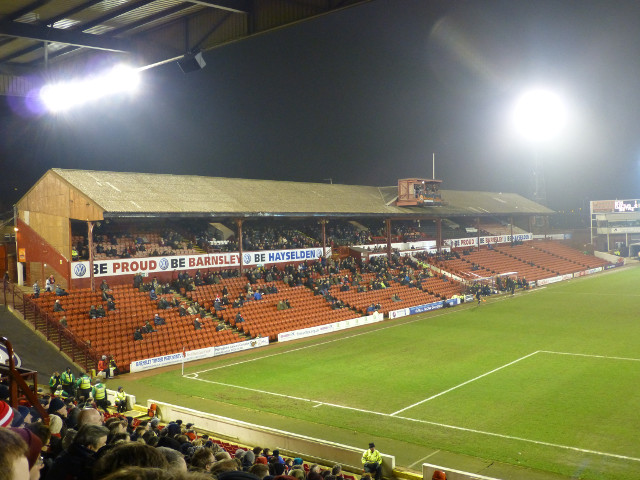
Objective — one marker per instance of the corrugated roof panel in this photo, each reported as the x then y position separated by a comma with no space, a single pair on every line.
154,8
139,193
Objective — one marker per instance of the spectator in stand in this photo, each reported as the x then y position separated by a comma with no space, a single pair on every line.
103,366
111,305
34,448
196,324
133,454
36,290
152,295
148,328
163,304
13,456
260,470
158,320
107,295
137,335
78,460
314,473
93,312
50,284
61,292
100,311
57,306
336,471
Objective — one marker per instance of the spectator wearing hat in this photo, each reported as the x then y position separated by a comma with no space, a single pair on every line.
57,407
103,366
13,454
121,400
372,461
34,447
6,414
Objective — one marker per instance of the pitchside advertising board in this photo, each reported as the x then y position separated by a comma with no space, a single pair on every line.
188,356
128,266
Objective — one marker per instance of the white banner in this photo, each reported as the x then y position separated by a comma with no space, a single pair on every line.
128,266
473,241
547,281
331,327
208,352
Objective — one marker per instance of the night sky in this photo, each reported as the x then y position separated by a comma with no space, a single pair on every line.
364,96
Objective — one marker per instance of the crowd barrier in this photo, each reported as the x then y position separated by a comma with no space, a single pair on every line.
289,444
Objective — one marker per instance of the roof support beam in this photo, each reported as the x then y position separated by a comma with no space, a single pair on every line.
235,6
48,34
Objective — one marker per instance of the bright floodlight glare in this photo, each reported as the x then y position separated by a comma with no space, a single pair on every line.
539,114
63,96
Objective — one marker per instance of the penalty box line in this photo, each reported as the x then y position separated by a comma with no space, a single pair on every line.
463,383
426,422
511,363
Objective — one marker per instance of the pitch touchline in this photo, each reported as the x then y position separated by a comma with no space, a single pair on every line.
317,402
427,422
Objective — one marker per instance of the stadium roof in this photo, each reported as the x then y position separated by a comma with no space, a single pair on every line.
37,36
122,195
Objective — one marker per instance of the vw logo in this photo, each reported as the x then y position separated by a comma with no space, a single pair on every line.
80,270
163,264
246,258
319,253
4,357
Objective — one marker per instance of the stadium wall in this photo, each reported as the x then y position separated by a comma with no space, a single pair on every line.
322,451
38,253
452,474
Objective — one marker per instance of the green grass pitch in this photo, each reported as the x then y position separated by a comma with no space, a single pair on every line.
548,379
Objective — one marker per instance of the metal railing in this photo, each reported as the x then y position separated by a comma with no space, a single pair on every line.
21,382
79,350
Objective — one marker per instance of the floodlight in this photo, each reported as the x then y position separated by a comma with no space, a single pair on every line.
66,95
539,114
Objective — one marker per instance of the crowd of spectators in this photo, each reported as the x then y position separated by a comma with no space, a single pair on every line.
124,241
82,443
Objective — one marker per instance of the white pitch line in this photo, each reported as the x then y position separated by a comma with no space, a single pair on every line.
427,422
421,461
520,439
592,356
463,384
319,403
